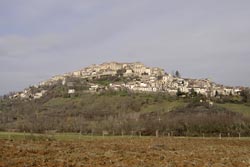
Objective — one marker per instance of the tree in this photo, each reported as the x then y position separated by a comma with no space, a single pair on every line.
245,95
120,72
177,74
193,93
216,93
179,93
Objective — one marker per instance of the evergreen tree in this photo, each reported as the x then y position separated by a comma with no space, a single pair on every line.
177,74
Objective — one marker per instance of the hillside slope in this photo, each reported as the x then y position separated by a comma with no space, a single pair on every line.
122,97
120,112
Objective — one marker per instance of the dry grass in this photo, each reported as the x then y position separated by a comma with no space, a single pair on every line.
125,152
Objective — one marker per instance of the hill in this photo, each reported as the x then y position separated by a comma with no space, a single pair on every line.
126,98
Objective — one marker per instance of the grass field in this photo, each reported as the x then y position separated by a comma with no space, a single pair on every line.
56,136
241,108
164,106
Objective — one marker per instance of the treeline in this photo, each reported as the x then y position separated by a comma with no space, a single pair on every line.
120,113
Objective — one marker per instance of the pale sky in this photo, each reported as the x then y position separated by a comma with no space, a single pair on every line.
200,38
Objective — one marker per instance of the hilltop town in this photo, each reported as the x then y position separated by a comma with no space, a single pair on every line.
127,97
136,77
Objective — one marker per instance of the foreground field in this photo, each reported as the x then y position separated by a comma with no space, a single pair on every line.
123,152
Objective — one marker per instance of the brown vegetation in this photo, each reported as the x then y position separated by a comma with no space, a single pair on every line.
118,112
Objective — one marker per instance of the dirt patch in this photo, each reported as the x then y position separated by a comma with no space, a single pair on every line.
123,152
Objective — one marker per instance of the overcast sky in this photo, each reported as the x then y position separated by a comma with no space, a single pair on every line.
200,38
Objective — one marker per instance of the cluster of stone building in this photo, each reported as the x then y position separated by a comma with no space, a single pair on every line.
128,69
153,80
28,94
144,79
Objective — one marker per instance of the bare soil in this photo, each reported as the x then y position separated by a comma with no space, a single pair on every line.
126,152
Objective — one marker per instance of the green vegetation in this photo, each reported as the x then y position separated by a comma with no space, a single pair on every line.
246,95
241,108
26,136
165,106
11,135
57,102
57,136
